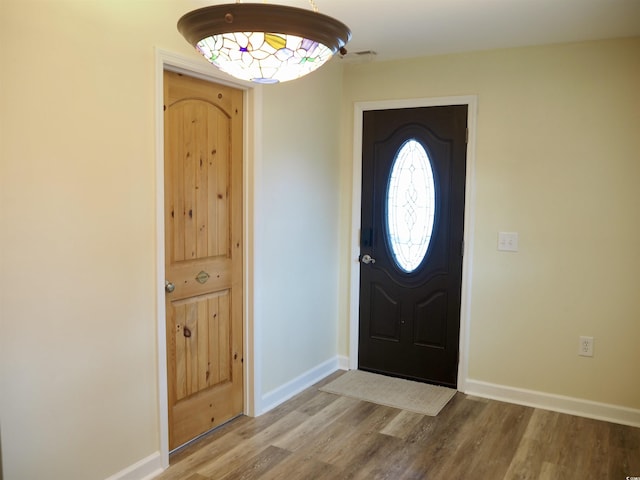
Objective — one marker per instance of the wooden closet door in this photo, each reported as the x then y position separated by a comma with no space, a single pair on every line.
203,256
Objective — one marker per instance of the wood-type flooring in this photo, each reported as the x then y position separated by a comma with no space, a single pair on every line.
318,435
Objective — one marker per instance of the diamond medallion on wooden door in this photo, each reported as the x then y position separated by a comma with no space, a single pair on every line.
203,254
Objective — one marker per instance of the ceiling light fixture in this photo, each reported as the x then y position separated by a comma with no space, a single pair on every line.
264,43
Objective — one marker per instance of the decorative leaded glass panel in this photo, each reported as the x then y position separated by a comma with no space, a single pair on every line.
264,57
410,206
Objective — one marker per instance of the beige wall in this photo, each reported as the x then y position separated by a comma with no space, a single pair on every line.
558,160
297,226
78,389
78,362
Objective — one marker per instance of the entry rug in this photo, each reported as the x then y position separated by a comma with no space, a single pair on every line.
393,392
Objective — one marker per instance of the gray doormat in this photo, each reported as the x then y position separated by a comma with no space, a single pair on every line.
393,392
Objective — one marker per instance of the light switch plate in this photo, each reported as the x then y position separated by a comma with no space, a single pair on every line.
508,241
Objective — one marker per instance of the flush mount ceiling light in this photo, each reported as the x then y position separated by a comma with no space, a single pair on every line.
264,43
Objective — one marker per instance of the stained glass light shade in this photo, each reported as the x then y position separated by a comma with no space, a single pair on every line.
264,43
264,57
410,206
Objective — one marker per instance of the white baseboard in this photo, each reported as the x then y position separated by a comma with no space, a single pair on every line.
556,403
343,362
145,469
283,393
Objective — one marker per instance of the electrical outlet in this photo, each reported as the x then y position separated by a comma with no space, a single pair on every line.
585,348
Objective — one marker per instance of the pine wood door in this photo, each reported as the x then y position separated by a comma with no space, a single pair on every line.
203,254
410,312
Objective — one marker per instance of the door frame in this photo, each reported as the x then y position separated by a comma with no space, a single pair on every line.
252,105
469,220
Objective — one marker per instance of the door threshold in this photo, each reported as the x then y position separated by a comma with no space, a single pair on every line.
201,436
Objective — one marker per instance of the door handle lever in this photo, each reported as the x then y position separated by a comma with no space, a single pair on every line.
366,258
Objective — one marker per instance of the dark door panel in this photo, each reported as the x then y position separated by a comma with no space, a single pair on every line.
410,302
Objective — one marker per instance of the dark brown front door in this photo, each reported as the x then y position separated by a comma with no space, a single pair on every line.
412,226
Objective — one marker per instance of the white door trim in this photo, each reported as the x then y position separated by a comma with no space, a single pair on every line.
469,220
252,140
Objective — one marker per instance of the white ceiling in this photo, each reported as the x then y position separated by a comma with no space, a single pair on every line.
411,28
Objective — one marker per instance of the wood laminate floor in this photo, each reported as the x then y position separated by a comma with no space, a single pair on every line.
318,435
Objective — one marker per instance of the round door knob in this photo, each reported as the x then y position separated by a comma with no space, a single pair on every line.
168,286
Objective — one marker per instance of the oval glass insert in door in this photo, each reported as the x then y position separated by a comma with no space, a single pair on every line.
410,206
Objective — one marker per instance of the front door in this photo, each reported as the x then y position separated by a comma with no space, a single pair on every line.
203,254
412,219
